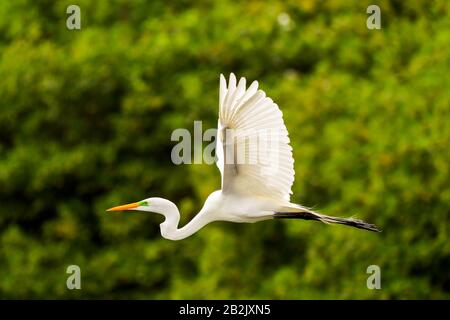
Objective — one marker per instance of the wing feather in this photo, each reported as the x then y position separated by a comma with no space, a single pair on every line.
253,151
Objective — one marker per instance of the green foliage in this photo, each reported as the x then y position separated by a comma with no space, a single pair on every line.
85,124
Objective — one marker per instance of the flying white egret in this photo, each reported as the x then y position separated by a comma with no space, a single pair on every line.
251,191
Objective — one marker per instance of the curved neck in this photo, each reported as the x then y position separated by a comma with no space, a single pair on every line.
169,228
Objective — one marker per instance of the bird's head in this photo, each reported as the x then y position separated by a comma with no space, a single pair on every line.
157,205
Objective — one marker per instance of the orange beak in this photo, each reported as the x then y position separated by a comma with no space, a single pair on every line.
129,206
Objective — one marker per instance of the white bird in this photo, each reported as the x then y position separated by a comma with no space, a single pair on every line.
252,190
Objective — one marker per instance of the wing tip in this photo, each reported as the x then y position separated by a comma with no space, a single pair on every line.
232,75
232,78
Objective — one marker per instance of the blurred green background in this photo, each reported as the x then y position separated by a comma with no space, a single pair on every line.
85,124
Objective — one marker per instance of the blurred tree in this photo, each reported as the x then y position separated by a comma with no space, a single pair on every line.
86,117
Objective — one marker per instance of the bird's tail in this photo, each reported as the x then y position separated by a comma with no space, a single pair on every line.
300,212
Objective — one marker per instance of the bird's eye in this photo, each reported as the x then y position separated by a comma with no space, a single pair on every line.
143,203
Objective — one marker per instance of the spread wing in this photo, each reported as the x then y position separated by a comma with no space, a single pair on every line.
253,151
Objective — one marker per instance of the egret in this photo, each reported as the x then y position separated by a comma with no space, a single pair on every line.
251,191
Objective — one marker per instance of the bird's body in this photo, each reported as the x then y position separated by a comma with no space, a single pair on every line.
237,208
256,164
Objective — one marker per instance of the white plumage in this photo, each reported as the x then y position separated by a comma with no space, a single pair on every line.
256,124
255,160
